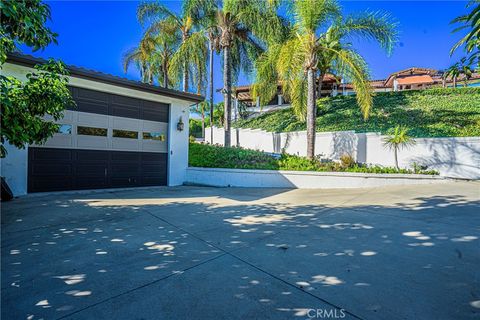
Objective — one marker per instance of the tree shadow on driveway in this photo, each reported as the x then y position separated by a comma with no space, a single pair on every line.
131,255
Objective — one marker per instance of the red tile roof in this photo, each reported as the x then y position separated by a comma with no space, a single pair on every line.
415,80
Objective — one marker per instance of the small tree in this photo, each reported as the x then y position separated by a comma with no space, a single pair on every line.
23,104
399,139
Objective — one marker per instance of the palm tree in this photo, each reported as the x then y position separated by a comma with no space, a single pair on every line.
399,139
308,54
141,56
453,73
461,68
244,28
204,12
202,109
470,22
156,14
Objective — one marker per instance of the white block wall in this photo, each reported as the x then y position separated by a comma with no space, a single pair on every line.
452,157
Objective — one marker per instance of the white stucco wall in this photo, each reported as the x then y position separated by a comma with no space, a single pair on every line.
220,177
14,166
14,169
452,157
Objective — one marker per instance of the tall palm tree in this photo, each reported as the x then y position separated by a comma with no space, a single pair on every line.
309,54
154,53
244,28
204,13
155,14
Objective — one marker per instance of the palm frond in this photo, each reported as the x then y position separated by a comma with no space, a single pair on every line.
354,67
310,14
155,11
377,26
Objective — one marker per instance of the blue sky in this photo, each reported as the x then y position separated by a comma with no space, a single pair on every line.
95,34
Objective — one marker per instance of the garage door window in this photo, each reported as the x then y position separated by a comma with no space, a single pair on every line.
65,129
125,134
90,131
153,136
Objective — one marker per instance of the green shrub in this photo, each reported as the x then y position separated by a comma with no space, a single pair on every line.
195,127
428,113
216,156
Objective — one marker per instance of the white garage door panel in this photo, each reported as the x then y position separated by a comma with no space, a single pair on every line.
154,146
126,144
151,126
110,123
60,140
126,124
91,142
92,120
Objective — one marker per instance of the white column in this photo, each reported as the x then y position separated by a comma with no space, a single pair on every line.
280,99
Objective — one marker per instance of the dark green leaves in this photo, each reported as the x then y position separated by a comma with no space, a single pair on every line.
24,105
23,21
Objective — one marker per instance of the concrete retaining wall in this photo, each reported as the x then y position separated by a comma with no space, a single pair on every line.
452,157
301,179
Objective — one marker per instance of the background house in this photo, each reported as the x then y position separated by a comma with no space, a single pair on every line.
408,79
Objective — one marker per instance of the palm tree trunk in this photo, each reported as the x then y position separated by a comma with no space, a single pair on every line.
203,124
165,76
319,88
185,68
454,82
185,77
311,114
396,158
227,94
211,90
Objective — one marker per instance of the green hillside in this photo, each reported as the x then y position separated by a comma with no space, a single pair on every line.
428,113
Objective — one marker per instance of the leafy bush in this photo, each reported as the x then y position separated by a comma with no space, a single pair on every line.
347,161
195,127
216,156
427,113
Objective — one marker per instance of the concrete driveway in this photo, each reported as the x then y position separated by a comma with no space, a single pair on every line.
228,253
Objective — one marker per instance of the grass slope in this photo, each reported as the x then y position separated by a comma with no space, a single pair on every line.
427,113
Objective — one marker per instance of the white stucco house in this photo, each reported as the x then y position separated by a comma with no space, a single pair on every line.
122,133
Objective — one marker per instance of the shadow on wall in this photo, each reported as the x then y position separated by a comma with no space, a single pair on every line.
342,143
122,242
453,157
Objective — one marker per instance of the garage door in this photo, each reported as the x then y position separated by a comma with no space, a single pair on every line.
108,141
52,169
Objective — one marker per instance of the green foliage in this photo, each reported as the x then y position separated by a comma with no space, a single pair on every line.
471,23
214,156
195,126
209,156
23,21
45,92
427,113
311,46
398,138
25,103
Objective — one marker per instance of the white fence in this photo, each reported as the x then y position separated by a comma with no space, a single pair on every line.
452,157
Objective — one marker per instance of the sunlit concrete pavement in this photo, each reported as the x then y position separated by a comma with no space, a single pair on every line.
227,253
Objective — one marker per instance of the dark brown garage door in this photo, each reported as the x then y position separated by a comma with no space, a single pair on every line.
53,169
